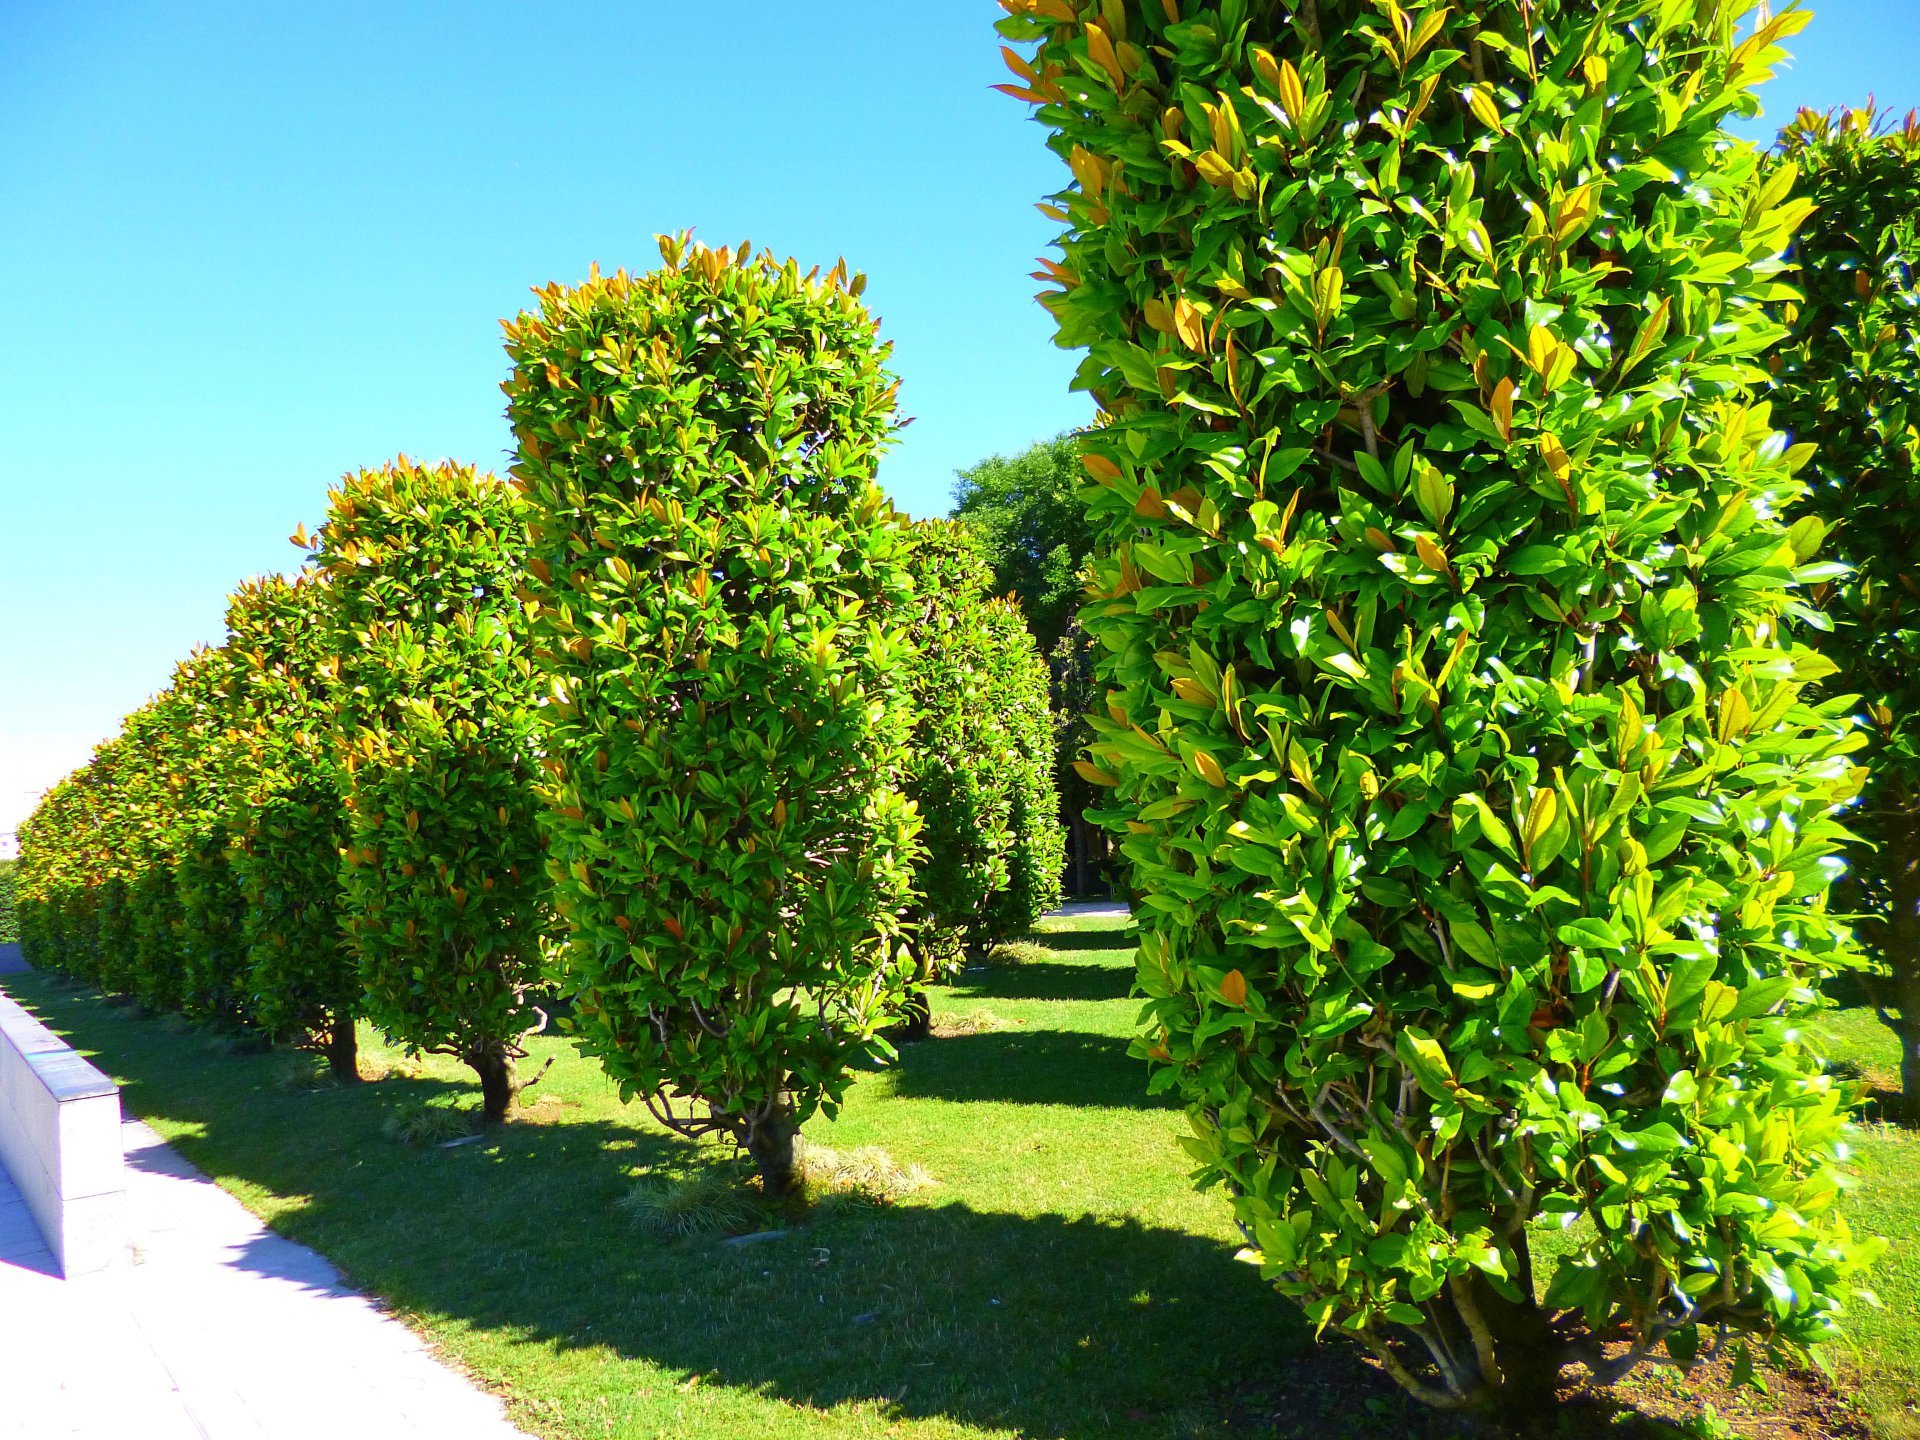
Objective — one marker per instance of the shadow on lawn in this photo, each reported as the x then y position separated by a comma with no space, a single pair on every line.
1050,1326
1117,938
1032,1324
1027,1067
1045,980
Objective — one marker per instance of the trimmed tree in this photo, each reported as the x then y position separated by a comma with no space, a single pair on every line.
445,889
213,948
1849,381
1017,673
155,972
722,596
301,972
980,767
55,930
1455,722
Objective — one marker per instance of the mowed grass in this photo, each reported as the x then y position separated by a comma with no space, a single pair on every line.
1058,1278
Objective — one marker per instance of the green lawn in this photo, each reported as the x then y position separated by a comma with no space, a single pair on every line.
1059,1279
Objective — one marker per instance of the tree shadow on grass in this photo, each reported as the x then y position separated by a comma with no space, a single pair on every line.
1027,1067
1123,937
1050,1326
1045,980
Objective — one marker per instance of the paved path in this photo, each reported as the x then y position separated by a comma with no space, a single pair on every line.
214,1328
1116,909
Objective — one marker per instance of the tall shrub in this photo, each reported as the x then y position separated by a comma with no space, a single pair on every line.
722,592
1849,382
1455,720
445,893
1017,673
213,949
976,765
301,973
155,971
9,905
49,884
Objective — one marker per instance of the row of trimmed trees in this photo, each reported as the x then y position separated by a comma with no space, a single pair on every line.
686,730
1451,573
1449,578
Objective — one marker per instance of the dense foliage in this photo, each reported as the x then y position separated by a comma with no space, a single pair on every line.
1033,529
446,895
980,769
302,979
1454,720
1849,382
9,912
212,948
722,594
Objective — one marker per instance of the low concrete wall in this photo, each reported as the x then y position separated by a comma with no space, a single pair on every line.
60,1142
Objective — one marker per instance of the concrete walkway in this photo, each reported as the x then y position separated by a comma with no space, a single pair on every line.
213,1328
1109,909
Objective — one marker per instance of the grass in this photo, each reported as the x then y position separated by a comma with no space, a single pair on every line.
1003,1243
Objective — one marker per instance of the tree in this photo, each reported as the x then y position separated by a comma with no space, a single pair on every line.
1033,529
1849,381
1455,722
302,976
155,972
980,770
212,914
434,723
722,599
1018,675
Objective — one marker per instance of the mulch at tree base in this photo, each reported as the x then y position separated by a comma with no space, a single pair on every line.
1333,1391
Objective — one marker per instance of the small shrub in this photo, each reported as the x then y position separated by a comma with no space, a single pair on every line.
865,1175
301,1071
710,1202
421,1123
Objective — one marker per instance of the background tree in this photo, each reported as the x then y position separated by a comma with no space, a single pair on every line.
722,599
434,699
302,975
1033,529
1454,718
1849,382
980,771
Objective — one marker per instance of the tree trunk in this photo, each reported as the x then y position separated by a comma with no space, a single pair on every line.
916,1016
770,1141
497,1088
1902,948
343,1050
1530,1356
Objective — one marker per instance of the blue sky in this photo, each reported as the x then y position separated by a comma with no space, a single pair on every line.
248,247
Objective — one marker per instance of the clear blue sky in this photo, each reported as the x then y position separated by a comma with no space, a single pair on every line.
248,247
